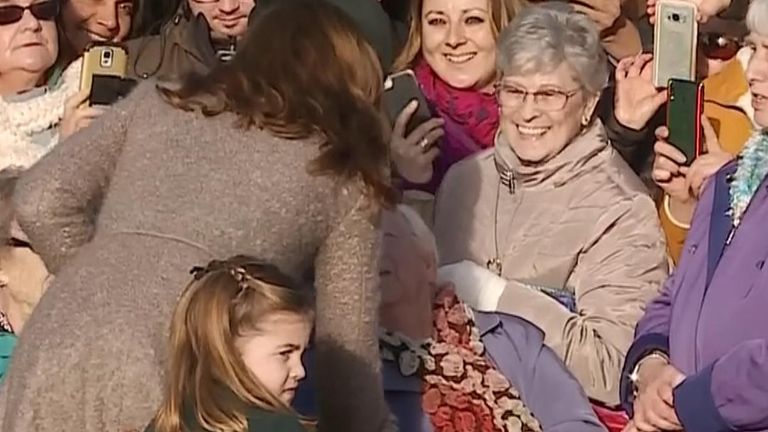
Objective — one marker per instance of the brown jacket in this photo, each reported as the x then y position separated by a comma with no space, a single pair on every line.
182,47
122,210
581,223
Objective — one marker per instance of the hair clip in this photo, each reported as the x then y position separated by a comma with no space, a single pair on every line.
197,272
241,276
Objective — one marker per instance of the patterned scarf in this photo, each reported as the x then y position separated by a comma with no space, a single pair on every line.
462,390
476,112
752,169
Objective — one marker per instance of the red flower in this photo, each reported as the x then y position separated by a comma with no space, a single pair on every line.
465,422
431,399
457,399
450,337
483,417
442,417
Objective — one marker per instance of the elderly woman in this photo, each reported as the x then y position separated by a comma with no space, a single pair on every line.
31,108
698,362
39,82
451,50
516,383
552,225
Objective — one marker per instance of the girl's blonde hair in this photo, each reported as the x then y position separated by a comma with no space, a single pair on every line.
502,12
207,375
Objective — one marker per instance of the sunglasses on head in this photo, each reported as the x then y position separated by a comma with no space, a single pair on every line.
718,46
43,11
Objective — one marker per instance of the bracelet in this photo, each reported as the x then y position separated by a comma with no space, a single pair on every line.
671,218
635,375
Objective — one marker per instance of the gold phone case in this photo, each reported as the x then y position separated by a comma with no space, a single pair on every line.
674,45
103,59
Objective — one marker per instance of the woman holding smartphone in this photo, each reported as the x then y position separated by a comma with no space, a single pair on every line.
451,49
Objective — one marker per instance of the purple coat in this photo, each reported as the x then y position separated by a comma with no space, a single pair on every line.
517,349
712,318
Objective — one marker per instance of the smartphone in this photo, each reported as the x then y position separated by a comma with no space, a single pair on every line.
103,73
685,105
674,44
399,90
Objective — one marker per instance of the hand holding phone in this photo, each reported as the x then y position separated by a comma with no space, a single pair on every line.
103,74
685,106
414,132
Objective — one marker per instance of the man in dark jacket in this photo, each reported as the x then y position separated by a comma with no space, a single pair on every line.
204,32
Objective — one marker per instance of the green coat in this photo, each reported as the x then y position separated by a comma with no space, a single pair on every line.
259,420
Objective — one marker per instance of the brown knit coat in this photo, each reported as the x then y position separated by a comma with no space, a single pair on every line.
120,213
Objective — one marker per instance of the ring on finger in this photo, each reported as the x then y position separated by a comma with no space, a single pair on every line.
424,143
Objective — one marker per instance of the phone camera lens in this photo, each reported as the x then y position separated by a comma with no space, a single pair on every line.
675,17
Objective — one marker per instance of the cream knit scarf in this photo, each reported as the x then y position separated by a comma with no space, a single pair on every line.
20,121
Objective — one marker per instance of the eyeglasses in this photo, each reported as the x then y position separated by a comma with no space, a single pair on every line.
719,47
548,100
43,11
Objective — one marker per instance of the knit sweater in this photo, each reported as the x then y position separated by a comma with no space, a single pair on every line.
121,211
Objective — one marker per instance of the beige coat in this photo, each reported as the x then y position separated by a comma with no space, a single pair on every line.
581,222
122,210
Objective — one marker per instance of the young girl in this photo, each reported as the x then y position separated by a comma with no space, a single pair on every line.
237,337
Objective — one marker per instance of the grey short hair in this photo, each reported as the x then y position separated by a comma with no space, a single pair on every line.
757,17
542,37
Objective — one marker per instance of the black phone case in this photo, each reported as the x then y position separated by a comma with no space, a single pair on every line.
405,89
108,89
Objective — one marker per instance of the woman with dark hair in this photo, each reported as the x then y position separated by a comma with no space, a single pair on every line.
279,154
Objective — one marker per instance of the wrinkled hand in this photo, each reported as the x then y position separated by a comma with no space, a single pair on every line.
77,115
669,170
654,405
706,165
413,154
475,285
636,99
706,9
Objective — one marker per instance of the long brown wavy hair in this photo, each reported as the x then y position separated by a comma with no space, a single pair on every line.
206,374
502,13
304,70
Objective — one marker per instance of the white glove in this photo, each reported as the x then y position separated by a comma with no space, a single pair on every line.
477,286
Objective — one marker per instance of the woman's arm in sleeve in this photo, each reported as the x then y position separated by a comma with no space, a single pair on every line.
351,395
58,200
730,394
620,270
548,389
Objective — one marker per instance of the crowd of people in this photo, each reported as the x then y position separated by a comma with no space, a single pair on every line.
248,242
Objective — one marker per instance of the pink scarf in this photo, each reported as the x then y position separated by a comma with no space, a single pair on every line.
476,112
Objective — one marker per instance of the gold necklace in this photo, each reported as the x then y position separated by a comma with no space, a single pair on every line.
494,264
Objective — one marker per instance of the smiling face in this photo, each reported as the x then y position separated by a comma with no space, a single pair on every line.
273,354
87,21
227,18
757,75
539,131
457,41
28,46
